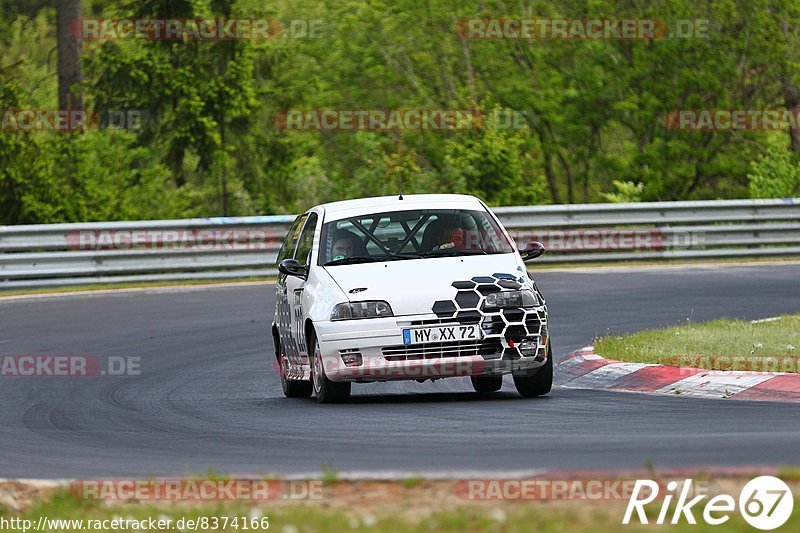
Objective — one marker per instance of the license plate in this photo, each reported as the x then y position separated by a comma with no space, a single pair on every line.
442,334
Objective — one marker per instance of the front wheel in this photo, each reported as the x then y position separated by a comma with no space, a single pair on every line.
327,391
537,384
485,384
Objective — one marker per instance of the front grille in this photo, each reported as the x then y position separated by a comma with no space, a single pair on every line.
461,318
431,322
493,325
533,323
490,324
436,350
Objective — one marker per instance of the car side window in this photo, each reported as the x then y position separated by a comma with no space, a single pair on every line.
289,242
306,241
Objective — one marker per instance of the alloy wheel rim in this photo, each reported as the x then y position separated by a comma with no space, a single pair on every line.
317,368
284,369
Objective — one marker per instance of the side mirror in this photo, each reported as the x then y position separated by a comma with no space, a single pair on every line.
532,250
291,267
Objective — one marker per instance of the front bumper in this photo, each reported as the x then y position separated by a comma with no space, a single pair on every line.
514,341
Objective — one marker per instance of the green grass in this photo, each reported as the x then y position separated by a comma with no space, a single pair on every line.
725,344
789,473
329,475
414,481
522,517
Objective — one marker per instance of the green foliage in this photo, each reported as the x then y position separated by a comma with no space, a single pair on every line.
776,174
97,175
624,191
593,110
48,176
492,162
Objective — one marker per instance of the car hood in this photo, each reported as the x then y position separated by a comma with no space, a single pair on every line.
412,286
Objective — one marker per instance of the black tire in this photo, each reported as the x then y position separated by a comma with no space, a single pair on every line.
539,383
293,388
327,391
485,384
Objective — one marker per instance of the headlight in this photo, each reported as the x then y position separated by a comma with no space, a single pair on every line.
500,300
357,310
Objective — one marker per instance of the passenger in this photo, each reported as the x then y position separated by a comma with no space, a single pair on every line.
343,247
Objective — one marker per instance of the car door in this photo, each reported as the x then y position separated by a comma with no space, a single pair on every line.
283,312
294,289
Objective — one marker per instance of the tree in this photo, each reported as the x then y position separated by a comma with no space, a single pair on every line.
68,14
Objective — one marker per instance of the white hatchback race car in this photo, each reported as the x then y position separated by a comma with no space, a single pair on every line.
416,287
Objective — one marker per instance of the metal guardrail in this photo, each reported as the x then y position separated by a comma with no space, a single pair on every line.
219,248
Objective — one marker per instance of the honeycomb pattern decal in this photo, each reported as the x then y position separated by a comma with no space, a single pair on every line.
510,326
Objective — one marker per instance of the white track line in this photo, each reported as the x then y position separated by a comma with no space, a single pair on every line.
715,385
603,376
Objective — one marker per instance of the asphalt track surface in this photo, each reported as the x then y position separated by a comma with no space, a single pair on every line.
209,399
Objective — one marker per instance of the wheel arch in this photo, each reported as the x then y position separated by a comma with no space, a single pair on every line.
276,343
310,335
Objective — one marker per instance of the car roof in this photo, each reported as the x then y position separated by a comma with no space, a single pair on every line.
363,206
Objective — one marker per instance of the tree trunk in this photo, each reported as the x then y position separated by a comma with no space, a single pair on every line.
791,99
568,173
68,13
791,93
550,175
224,161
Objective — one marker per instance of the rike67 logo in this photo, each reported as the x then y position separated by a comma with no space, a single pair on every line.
765,503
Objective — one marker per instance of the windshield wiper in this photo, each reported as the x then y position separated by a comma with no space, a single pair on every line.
453,253
354,259
371,259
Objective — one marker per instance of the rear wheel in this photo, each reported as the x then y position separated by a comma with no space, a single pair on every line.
487,383
327,391
539,383
292,388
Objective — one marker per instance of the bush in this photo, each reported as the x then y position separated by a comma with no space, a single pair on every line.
776,174
93,176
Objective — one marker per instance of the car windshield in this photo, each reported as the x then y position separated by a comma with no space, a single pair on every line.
415,234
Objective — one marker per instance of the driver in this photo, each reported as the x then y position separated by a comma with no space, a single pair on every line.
446,233
343,247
